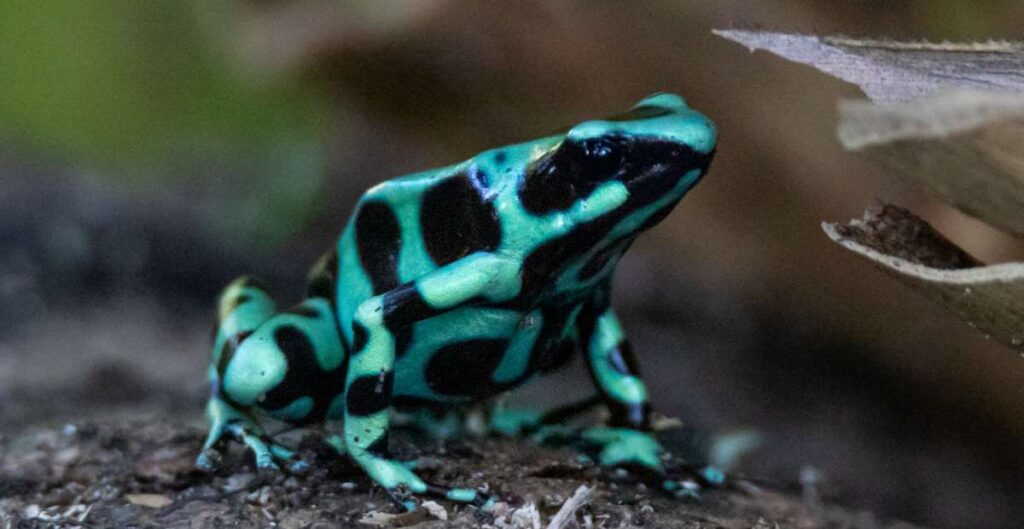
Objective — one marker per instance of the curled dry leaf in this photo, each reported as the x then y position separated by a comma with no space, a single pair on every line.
153,501
989,298
428,511
897,71
965,147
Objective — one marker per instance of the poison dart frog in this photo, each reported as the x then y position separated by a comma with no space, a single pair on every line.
454,285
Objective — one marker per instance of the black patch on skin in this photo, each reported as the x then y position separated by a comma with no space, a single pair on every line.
667,164
404,306
410,403
403,337
457,218
228,350
636,415
359,337
552,349
548,259
322,281
379,446
304,377
500,157
597,263
622,359
378,239
543,190
466,368
572,171
539,266
370,394
304,311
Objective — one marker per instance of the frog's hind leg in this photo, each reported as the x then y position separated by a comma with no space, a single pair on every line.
548,427
243,306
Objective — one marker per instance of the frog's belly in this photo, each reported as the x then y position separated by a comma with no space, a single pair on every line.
466,354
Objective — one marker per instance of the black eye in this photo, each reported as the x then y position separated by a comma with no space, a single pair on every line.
601,159
570,172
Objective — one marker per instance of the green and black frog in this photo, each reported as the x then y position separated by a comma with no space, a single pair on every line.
454,285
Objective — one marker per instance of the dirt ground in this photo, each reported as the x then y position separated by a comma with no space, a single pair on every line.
133,468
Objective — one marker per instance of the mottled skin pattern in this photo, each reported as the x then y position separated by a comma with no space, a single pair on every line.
456,284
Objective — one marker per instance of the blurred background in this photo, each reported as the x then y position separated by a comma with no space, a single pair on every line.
152,151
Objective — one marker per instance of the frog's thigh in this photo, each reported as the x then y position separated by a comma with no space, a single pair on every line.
470,352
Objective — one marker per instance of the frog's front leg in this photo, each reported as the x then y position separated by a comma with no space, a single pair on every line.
242,308
371,370
228,422
626,441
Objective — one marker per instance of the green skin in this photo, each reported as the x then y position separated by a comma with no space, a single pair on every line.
451,286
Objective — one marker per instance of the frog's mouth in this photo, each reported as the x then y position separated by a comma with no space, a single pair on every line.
656,167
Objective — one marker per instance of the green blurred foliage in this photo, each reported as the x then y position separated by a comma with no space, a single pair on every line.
959,20
148,93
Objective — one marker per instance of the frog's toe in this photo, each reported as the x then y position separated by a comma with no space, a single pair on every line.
298,466
392,475
401,485
712,476
476,497
554,434
514,422
208,460
640,454
400,498
277,457
682,490
404,500
265,462
625,448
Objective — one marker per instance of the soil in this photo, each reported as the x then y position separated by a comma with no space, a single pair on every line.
134,468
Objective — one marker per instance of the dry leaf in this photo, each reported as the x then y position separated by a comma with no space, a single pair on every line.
897,71
429,511
155,501
965,147
989,298
567,514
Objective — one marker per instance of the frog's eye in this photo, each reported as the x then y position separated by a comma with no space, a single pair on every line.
570,172
601,159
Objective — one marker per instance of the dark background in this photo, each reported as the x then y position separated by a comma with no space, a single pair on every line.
150,152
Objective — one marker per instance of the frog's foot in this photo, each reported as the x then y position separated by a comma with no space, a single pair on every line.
269,454
530,424
401,484
435,423
514,422
337,443
520,422
638,452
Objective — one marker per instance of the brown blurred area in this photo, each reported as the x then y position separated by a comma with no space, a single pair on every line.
743,313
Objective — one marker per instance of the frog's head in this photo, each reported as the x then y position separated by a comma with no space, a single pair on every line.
655,151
